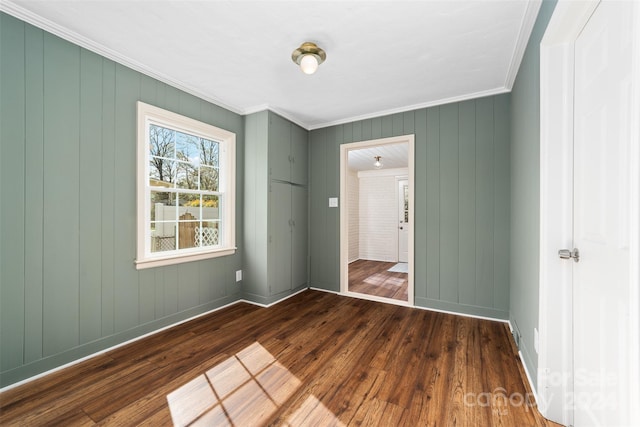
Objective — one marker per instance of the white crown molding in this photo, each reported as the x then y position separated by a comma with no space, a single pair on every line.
263,107
257,109
9,7
290,117
528,22
481,94
382,113
25,15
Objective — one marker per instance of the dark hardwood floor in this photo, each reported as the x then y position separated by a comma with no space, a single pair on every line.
315,359
372,278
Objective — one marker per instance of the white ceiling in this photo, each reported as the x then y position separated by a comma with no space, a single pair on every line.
382,56
392,156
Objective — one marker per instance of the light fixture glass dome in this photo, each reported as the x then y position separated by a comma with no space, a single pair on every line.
309,64
378,163
308,56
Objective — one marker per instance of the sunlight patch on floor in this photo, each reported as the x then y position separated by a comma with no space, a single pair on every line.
244,390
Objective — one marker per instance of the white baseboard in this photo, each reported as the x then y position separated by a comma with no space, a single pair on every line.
526,371
275,302
325,290
122,344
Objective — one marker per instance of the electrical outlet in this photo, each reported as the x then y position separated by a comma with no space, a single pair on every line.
238,275
333,202
535,339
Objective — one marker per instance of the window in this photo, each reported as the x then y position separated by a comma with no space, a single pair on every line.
186,189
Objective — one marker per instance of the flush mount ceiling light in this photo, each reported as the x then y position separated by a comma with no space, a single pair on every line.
308,56
378,163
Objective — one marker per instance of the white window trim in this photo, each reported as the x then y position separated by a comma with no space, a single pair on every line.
144,257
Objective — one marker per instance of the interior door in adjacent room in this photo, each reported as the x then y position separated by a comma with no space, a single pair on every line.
404,227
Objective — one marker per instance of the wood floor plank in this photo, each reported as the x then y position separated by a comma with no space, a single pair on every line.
18,398
340,361
153,408
72,419
221,341
373,278
314,359
153,344
55,400
413,345
348,364
381,413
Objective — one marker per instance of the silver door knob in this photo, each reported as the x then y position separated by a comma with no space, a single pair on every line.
568,254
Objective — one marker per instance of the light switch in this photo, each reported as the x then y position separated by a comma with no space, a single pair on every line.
333,202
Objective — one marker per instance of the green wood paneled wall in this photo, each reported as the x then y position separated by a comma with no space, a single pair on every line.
462,202
255,281
525,193
68,285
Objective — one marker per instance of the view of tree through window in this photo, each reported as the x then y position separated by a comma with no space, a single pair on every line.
184,181
182,160
186,189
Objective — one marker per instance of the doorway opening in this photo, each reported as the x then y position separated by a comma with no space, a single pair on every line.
376,215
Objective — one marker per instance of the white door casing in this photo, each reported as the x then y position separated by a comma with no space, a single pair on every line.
404,223
344,215
606,373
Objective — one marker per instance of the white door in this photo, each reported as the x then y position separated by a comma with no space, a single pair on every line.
404,220
601,282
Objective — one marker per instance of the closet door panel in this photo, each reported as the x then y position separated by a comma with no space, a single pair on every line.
279,252
279,148
299,155
300,236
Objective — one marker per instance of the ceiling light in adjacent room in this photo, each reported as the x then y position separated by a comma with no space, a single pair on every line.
308,56
378,163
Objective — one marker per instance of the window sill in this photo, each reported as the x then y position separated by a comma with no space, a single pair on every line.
182,258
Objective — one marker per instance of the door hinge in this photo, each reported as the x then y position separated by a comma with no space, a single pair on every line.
569,254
